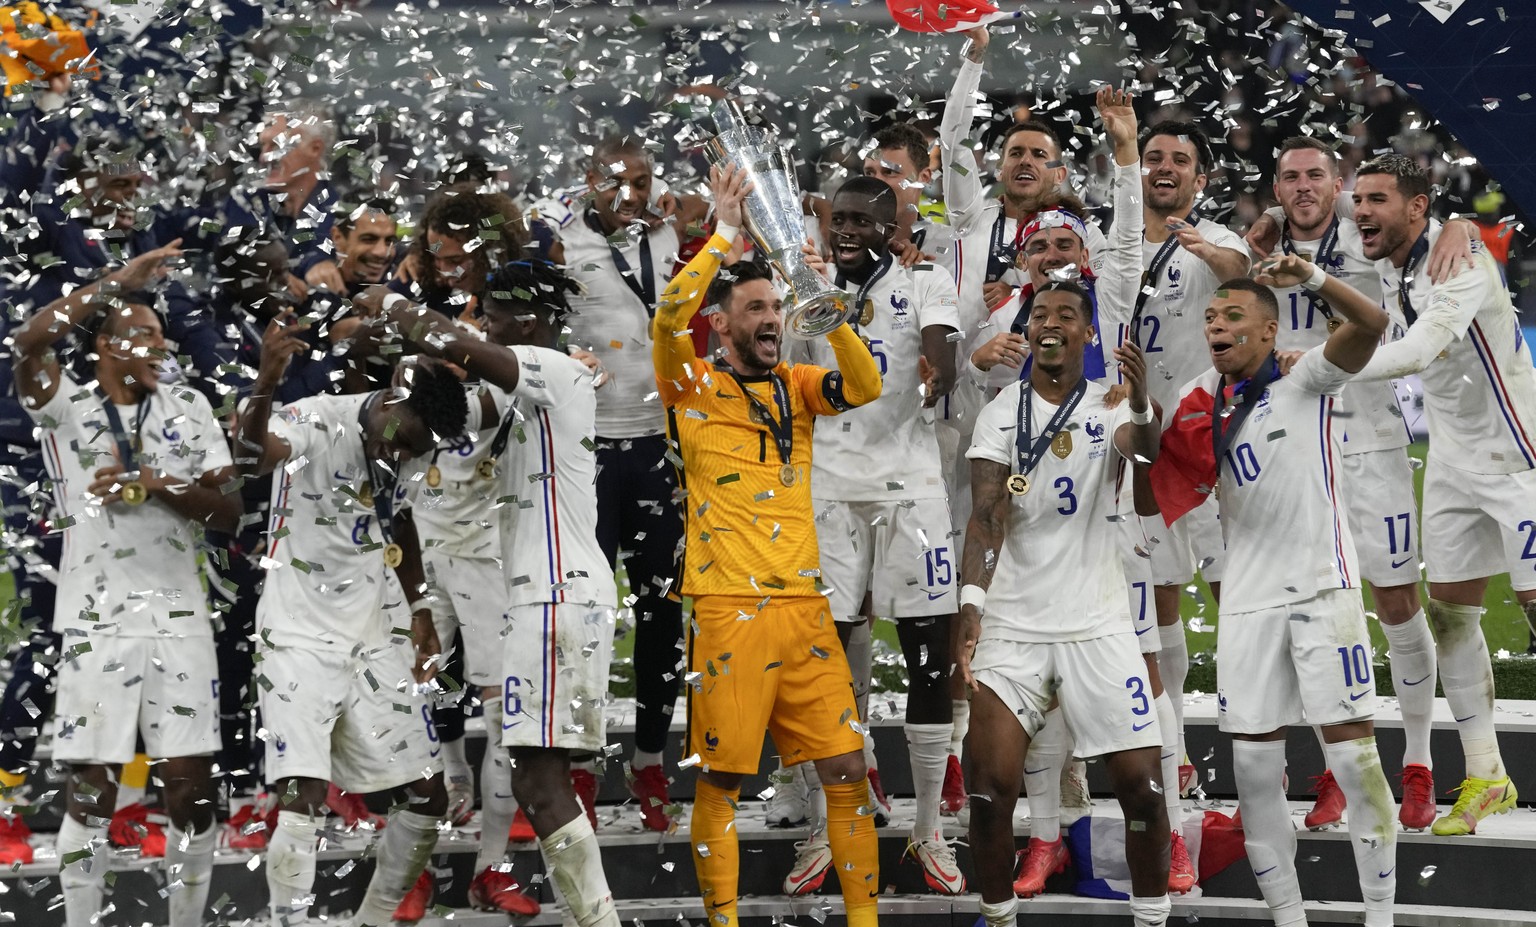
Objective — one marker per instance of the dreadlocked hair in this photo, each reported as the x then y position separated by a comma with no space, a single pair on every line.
534,284
437,397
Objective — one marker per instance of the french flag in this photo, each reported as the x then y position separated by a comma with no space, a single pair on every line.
1184,473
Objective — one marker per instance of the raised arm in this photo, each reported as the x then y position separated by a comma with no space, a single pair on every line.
37,367
435,335
1351,345
671,341
1140,439
1120,279
964,195
257,450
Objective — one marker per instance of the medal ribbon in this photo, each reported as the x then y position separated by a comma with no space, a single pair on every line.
1325,249
863,294
1415,255
382,478
783,427
645,286
1154,271
1032,448
127,447
1225,425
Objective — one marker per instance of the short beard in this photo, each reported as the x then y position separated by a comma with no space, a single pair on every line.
747,353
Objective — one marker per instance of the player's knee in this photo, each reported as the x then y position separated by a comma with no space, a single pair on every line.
848,767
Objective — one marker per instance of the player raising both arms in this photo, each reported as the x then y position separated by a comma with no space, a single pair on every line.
763,642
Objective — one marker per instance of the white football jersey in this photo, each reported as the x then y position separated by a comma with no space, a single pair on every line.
1059,576
458,516
886,450
1172,330
548,483
127,570
1287,530
608,319
325,583
1368,413
1480,393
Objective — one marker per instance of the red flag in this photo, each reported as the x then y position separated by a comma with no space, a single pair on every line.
1185,470
943,15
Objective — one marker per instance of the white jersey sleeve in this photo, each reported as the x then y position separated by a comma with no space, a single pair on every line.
454,502
964,195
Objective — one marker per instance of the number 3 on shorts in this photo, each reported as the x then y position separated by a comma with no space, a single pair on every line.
1138,695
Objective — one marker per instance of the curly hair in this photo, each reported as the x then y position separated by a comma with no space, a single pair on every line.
465,212
536,285
436,396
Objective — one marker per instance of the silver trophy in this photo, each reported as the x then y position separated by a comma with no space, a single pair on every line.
814,306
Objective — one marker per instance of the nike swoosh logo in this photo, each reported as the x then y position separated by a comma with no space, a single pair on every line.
509,725
1031,772
1417,681
1357,696
1142,631
1467,718
1270,869
1396,564
937,595
1141,726
1387,874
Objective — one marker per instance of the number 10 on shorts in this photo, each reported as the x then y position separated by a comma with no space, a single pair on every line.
1357,665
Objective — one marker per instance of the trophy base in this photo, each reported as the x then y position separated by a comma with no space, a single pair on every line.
817,316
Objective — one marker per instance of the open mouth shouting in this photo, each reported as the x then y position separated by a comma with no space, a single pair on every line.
1370,234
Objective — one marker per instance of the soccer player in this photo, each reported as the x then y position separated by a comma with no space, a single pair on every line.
137,473
1031,174
622,261
1374,469
555,646
882,519
900,157
342,698
1184,257
1292,634
1045,483
1464,340
763,643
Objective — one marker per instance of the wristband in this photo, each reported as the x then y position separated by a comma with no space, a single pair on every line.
391,300
1144,417
421,605
974,595
1316,281
727,231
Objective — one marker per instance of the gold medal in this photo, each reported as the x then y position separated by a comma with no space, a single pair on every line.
486,469
1334,323
366,496
867,312
434,476
394,555
1061,445
1018,484
787,474
134,493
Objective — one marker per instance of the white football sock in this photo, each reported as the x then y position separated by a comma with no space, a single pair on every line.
1356,766
961,709
1043,763
1173,667
1150,912
189,859
1411,652
455,763
1169,756
291,867
860,652
1466,675
928,747
1258,769
1002,914
83,880
497,806
643,758
404,851
576,867
813,792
